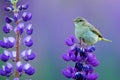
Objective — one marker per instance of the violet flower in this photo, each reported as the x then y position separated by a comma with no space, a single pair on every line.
84,60
16,68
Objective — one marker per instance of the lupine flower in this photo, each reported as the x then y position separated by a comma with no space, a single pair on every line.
5,56
28,41
19,28
29,29
17,68
28,69
13,56
84,59
70,41
8,8
26,16
2,72
8,42
6,70
8,19
25,6
28,55
7,28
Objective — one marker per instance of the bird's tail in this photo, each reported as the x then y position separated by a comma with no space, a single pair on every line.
107,40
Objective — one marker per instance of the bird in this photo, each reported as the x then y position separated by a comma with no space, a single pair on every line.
87,32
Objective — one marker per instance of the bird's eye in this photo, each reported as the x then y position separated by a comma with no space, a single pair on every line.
81,20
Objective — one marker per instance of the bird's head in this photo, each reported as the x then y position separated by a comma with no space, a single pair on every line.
79,20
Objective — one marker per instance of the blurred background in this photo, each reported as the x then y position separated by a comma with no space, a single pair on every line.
53,23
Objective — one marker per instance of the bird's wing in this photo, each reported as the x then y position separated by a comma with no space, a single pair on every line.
94,30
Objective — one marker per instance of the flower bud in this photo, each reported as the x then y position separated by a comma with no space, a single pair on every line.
8,68
8,8
2,44
80,76
30,55
28,69
5,56
29,29
28,41
2,72
19,28
8,20
7,28
19,7
26,16
11,42
70,41
13,55
19,66
92,76
25,6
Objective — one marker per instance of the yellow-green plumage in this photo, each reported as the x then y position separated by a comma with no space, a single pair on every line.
87,32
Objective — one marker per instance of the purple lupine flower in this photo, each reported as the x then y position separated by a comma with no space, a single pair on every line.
17,68
23,55
13,56
8,20
91,49
73,54
2,72
26,16
2,44
28,41
92,76
92,60
11,42
5,56
8,68
69,72
19,28
8,8
15,17
28,69
84,59
25,6
70,41
8,42
66,57
80,76
29,29
7,28
28,55
19,7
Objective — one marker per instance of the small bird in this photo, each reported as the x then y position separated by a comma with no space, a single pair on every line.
87,32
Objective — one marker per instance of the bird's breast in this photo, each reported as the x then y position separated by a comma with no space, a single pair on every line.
89,37
79,31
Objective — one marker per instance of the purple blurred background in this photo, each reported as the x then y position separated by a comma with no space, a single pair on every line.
53,23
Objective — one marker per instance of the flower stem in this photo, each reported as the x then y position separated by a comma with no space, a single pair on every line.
17,50
17,43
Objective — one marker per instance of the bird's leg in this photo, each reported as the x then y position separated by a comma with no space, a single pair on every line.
81,42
